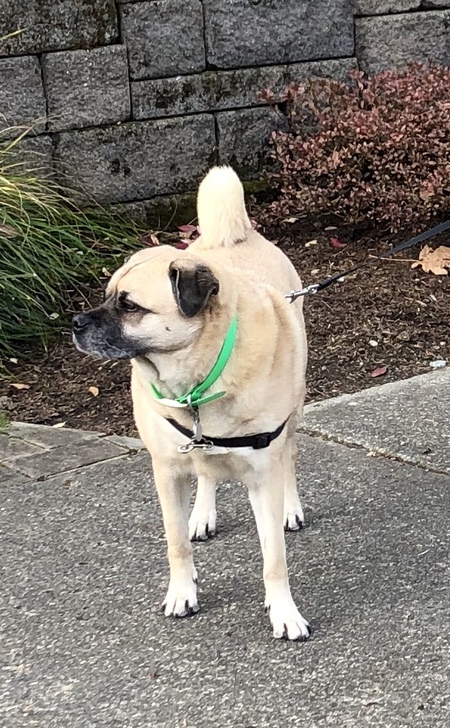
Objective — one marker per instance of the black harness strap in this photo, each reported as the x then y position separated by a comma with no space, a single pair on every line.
257,442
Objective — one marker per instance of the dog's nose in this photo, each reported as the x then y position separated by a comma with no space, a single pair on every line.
80,321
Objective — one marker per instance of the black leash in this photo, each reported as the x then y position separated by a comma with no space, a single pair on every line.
317,287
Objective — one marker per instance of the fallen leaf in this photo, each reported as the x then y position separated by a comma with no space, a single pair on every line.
379,372
13,360
189,232
8,231
336,243
310,243
149,239
94,391
187,229
18,385
434,261
58,425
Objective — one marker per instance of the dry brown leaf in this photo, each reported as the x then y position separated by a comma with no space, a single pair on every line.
19,385
434,261
94,391
149,239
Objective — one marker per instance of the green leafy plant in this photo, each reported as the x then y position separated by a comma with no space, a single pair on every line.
376,149
49,249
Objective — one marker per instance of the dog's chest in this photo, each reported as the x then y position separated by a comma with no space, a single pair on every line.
226,463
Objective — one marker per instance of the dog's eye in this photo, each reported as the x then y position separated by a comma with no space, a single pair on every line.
127,305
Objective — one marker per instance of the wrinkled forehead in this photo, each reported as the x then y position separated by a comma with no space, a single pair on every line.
143,264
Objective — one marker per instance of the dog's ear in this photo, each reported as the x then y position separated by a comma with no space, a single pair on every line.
192,285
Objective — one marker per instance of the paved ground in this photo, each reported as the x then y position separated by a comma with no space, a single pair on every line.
84,570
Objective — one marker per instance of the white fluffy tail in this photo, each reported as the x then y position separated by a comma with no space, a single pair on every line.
222,216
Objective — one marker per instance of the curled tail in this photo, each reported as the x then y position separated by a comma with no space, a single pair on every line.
222,216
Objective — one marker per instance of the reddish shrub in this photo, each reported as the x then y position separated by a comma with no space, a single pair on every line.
377,149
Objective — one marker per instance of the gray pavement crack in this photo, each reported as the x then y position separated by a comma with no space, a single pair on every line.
372,451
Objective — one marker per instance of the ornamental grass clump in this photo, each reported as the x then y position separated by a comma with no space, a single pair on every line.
376,149
49,250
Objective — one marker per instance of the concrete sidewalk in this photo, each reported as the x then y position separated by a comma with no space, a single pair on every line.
84,570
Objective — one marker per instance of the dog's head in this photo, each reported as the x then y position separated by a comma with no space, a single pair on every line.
154,303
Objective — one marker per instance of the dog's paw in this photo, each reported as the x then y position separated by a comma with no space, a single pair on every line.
181,600
293,518
287,622
202,525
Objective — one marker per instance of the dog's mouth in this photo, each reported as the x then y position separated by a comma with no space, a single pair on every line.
101,348
97,333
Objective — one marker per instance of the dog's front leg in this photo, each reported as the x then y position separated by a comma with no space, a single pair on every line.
266,497
174,494
202,523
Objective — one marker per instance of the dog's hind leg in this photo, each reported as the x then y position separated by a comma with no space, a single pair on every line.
293,517
174,490
202,523
266,497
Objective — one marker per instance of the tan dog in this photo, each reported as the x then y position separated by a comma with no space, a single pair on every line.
170,312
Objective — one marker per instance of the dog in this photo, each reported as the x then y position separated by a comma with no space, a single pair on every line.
218,358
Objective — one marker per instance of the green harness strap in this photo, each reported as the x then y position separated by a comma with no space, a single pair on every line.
195,397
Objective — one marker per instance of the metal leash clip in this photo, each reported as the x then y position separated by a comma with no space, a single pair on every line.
197,441
293,295
195,445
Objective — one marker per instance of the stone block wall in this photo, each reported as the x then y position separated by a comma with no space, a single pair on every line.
135,99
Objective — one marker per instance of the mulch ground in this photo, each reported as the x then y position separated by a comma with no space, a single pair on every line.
385,316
